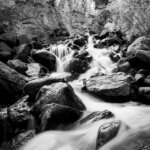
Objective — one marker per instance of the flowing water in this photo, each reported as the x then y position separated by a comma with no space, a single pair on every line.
83,137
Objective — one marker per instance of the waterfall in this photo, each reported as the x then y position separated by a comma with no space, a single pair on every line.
61,52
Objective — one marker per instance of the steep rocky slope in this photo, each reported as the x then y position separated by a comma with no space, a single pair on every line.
33,17
30,17
80,16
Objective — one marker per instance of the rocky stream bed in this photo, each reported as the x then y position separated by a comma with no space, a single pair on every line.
90,92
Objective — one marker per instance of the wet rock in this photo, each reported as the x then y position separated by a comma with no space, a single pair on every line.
74,47
107,132
37,45
123,65
76,66
111,41
32,87
17,142
97,37
24,52
20,111
131,140
2,30
96,116
59,93
54,116
83,55
144,72
99,44
104,34
141,43
139,78
80,41
147,80
18,65
144,92
5,52
10,39
138,53
140,57
115,57
11,84
13,40
45,58
111,87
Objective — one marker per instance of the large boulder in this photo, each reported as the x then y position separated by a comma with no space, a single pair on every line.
33,86
142,43
76,66
139,53
59,93
115,87
18,65
46,59
5,52
11,84
54,115
140,57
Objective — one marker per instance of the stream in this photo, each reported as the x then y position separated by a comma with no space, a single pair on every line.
133,116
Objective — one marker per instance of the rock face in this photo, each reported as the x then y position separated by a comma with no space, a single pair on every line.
11,84
32,17
54,115
110,86
51,17
59,93
80,15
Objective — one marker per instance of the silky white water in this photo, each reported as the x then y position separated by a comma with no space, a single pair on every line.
132,115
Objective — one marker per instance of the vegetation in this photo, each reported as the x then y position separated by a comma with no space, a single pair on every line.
131,16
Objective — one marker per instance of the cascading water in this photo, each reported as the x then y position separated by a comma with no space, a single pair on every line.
61,52
84,137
